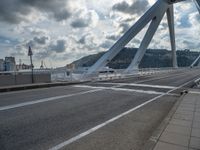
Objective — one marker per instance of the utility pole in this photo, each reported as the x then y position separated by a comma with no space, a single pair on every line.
30,53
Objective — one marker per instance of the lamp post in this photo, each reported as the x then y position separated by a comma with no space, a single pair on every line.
30,53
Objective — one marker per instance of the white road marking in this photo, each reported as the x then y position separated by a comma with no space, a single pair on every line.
140,85
45,100
69,141
194,92
119,89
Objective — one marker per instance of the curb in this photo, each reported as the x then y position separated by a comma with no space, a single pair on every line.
152,141
159,130
36,86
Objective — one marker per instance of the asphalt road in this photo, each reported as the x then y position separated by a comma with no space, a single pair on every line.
118,114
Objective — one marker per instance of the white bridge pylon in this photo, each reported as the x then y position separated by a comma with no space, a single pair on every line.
154,15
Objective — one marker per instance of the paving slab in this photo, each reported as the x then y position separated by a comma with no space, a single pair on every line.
195,143
179,122
183,129
196,118
178,129
187,117
175,138
196,132
184,112
167,146
196,124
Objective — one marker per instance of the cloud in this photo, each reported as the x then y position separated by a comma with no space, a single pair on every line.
41,40
71,29
85,18
112,37
79,23
82,40
58,47
184,21
124,27
15,11
106,45
191,44
137,7
37,42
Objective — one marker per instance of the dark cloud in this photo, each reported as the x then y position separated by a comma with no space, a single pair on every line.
36,41
87,42
112,37
41,40
137,7
58,47
82,40
79,23
84,19
14,11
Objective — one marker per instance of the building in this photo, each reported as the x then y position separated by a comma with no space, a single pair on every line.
10,64
23,67
2,65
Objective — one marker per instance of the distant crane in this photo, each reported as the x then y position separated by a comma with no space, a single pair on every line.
42,65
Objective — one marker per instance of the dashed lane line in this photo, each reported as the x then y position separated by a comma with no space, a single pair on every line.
140,85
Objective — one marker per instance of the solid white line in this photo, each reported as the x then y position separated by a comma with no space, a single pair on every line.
45,100
119,89
194,92
67,142
141,85
61,145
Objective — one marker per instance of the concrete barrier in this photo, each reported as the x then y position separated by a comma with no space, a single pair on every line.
18,79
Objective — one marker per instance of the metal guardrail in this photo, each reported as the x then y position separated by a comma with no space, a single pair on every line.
120,73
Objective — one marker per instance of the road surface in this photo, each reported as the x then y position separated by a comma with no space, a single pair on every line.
118,114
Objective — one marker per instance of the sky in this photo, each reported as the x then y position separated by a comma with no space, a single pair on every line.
61,31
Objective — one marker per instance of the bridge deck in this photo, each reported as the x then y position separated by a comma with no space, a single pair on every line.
118,114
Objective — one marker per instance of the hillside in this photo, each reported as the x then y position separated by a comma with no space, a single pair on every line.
153,58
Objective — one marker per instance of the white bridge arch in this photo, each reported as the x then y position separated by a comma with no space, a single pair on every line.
154,15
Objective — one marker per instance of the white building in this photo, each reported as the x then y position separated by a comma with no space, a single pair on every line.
10,64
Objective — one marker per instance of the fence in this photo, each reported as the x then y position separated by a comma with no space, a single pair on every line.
25,77
63,75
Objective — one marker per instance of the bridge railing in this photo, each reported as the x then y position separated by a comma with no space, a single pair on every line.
117,74
63,75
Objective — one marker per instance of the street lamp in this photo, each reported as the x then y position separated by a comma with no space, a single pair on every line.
30,53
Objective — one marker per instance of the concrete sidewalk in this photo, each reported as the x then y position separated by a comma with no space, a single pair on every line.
183,129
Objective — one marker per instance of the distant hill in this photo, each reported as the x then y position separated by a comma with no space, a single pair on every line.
153,58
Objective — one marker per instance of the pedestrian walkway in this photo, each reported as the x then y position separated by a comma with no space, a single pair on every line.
183,130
